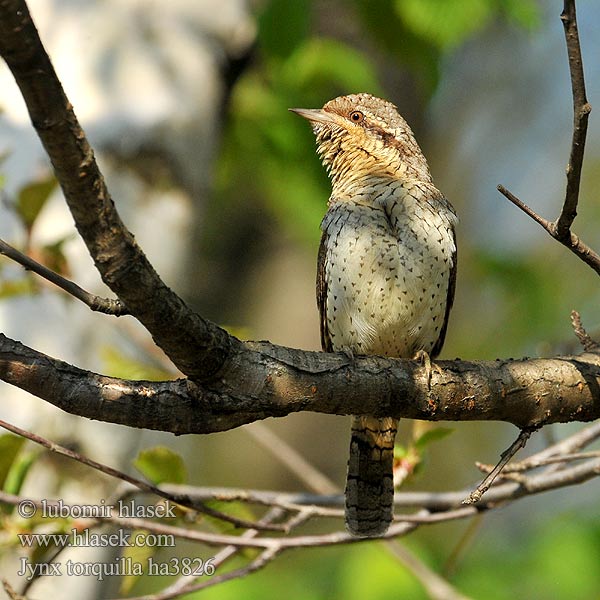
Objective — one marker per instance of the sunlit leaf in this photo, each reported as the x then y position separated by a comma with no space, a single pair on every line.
525,13
32,198
432,435
18,472
161,465
328,63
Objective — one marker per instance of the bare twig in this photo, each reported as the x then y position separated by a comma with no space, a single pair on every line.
547,225
10,591
581,111
574,244
484,486
293,460
434,501
104,305
465,541
589,345
437,587
528,464
580,439
499,494
561,228
187,583
138,483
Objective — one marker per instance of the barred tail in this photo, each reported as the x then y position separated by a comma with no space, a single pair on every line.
370,486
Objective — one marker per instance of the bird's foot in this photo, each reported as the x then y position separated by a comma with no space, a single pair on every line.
429,365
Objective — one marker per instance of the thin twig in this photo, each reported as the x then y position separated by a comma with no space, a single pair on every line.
437,587
10,591
547,225
528,465
484,486
589,345
574,244
107,306
561,228
581,111
499,494
436,501
259,562
181,499
292,459
463,544
187,583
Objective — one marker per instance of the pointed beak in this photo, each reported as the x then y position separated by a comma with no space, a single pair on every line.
314,115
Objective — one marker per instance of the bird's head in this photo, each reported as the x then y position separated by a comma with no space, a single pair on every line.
361,136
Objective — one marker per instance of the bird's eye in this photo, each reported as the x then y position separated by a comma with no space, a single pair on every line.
356,116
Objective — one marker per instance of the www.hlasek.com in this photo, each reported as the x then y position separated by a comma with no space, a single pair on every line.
121,567
90,539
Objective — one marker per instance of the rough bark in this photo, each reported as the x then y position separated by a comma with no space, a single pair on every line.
271,381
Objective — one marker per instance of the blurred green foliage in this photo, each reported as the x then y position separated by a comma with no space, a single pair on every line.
268,154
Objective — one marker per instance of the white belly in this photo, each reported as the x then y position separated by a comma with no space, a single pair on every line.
386,290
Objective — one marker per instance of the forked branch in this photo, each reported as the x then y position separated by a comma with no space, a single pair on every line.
561,228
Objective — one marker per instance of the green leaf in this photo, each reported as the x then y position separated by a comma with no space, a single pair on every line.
18,471
32,198
53,256
161,465
432,435
10,445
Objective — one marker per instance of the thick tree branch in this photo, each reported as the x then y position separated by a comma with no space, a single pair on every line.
271,381
196,346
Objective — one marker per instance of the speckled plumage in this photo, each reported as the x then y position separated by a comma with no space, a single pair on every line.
386,270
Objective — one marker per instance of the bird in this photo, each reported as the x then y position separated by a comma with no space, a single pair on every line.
386,271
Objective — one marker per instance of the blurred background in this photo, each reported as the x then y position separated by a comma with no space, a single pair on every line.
186,106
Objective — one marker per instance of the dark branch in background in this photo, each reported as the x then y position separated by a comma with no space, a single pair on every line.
196,346
142,485
104,305
560,229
